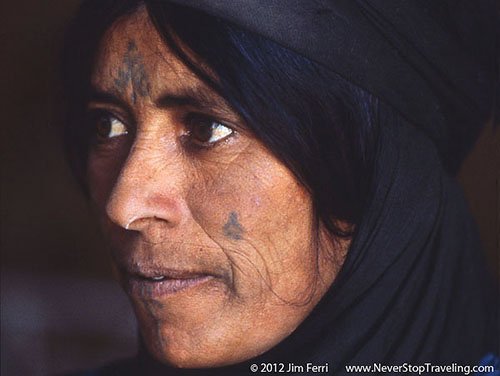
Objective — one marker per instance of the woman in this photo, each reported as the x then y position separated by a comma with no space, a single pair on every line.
274,179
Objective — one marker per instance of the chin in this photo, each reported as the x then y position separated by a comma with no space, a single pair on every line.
184,351
183,330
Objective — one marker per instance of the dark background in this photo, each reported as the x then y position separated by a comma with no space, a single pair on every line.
60,309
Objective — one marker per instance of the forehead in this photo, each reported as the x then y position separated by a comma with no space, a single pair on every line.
133,47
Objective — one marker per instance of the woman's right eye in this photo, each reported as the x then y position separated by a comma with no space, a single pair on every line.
108,126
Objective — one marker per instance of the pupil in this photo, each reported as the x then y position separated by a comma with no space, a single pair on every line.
103,126
203,132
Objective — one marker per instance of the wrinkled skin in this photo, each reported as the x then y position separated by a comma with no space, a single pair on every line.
175,195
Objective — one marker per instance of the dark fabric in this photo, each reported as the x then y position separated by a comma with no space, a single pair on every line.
434,61
413,288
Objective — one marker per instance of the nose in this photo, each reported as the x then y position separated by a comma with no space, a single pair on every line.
148,194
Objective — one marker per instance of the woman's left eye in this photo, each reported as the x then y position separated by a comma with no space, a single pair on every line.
204,131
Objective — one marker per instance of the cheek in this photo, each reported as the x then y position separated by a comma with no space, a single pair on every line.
261,218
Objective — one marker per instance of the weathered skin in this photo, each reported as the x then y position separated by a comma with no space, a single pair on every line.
231,210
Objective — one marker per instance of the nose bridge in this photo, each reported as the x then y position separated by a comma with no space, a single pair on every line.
149,187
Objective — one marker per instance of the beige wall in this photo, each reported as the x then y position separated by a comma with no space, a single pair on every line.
480,179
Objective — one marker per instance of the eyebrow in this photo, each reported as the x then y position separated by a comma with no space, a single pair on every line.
188,97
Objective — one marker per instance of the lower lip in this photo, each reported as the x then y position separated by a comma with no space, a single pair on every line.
149,289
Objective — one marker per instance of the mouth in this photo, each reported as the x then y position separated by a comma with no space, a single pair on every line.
154,284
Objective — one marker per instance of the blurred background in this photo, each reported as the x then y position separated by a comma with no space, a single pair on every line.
60,308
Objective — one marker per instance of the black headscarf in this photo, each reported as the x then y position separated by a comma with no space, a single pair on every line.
433,61
413,288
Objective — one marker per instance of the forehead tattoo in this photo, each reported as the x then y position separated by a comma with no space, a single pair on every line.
132,72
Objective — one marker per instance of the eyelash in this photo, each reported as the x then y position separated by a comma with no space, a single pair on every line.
95,117
193,122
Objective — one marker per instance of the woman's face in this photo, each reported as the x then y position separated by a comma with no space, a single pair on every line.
212,236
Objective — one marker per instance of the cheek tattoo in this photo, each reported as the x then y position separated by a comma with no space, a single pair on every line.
233,229
133,72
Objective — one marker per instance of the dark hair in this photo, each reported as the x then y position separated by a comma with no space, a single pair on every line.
319,125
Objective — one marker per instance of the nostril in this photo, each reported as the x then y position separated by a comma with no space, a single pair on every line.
153,230
127,226
138,223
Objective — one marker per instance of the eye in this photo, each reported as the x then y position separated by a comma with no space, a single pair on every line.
205,131
108,126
